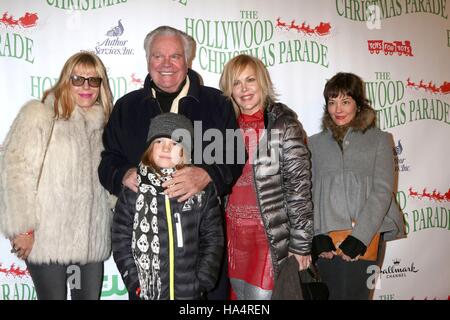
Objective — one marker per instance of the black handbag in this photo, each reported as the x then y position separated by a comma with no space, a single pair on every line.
292,284
312,286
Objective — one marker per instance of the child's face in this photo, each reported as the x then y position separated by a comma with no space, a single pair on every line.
166,153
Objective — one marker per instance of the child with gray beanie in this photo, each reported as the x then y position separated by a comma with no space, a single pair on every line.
165,249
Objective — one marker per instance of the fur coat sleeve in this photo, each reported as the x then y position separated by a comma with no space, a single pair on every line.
20,164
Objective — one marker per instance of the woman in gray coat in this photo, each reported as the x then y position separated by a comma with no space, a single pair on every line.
269,212
353,181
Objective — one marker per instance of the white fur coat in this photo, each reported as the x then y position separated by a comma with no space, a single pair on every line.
69,212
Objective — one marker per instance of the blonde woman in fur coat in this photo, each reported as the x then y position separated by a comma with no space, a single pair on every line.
52,206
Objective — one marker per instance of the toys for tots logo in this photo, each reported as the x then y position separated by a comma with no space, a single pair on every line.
221,40
399,48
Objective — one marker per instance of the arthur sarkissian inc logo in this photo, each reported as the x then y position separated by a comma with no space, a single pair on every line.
220,40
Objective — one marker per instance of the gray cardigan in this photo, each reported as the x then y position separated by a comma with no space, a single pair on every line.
354,184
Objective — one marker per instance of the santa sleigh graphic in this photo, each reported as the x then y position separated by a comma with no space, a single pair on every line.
444,88
435,195
322,29
28,20
14,271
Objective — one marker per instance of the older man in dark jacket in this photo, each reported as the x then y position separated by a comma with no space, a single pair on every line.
170,87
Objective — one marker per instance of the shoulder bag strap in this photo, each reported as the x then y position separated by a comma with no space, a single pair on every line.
45,154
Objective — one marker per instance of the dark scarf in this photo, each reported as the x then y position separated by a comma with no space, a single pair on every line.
146,250
165,99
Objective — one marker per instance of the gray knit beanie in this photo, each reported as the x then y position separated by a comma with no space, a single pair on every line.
174,126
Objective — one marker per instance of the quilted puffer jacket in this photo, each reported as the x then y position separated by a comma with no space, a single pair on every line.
282,172
190,245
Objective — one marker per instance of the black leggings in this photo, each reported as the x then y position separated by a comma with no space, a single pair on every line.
50,280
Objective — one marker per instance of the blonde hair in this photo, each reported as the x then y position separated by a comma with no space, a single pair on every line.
234,68
61,90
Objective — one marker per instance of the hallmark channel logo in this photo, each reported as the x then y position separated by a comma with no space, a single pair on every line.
13,40
398,270
399,48
113,44
399,162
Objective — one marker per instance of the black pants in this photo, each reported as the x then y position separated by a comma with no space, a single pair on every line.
345,280
50,280
220,292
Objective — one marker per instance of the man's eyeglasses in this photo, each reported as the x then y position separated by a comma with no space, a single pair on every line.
93,82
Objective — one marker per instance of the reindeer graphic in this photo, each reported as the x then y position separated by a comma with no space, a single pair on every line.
410,84
292,25
136,81
437,196
412,193
280,24
425,194
9,21
422,85
3,270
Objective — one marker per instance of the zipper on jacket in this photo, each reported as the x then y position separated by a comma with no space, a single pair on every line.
171,249
273,256
179,230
